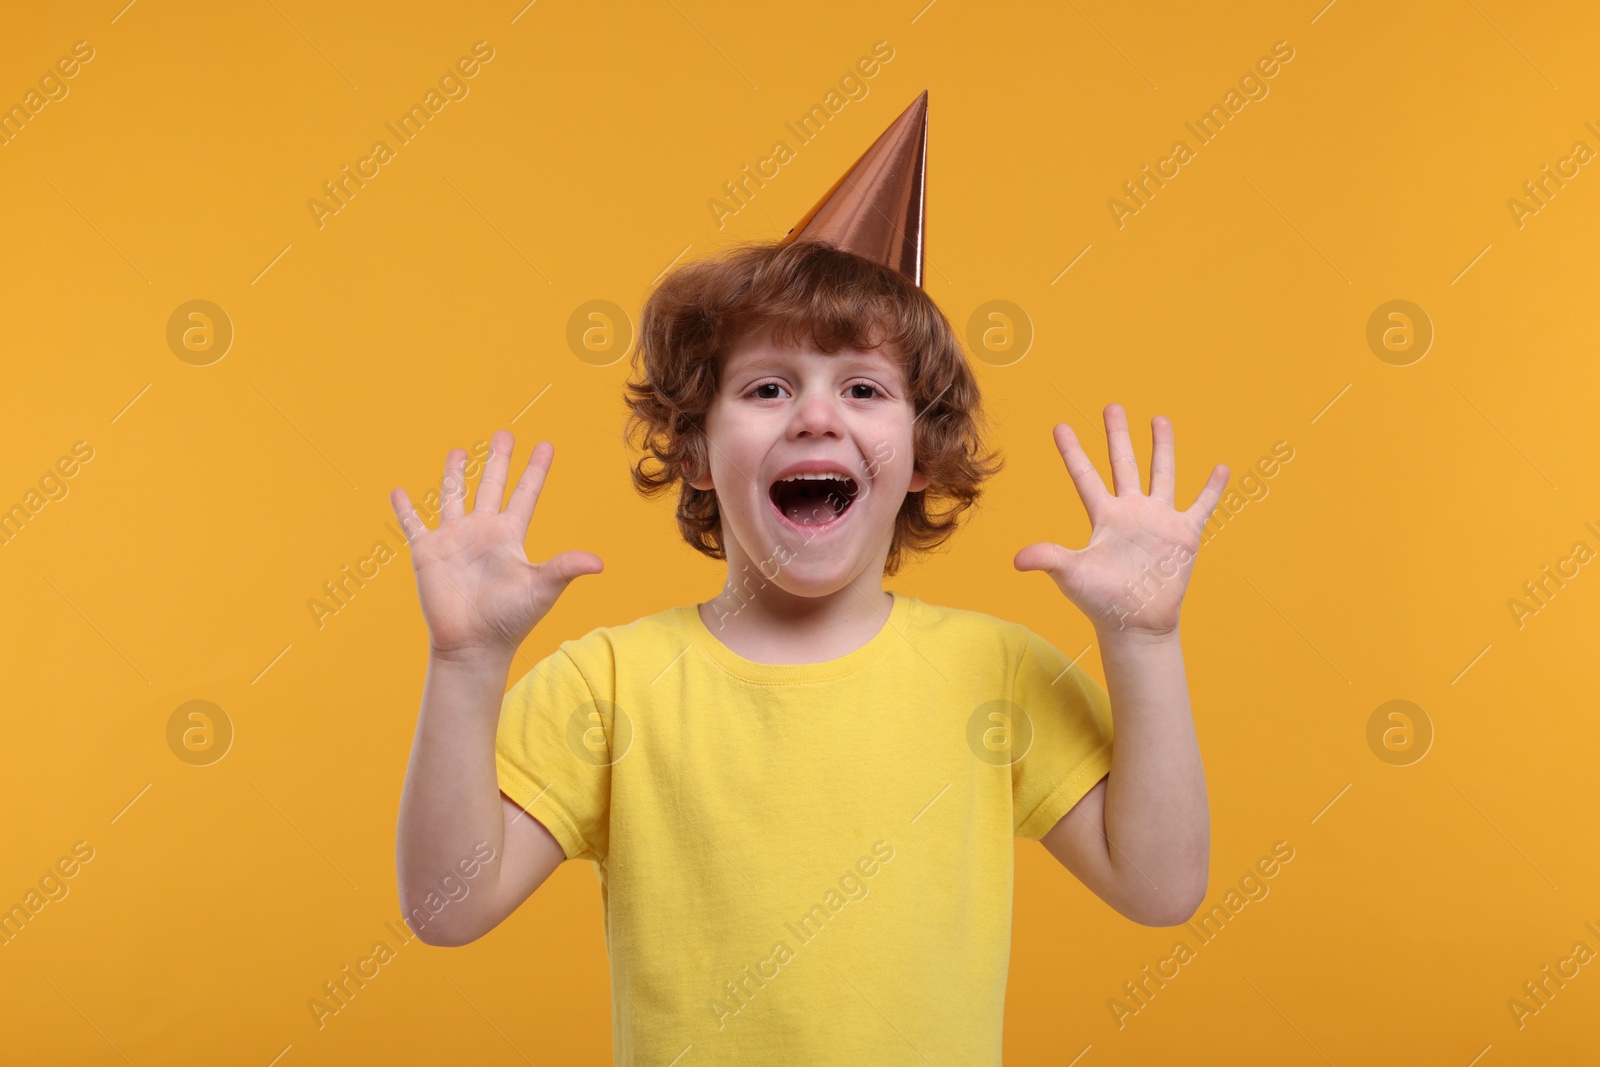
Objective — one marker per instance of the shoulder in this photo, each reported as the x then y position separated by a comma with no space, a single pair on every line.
662,629
969,630
967,633
603,655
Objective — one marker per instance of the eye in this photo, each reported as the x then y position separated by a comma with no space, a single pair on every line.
865,385
765,385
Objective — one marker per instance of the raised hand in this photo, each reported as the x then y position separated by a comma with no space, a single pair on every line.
480,595
1131,576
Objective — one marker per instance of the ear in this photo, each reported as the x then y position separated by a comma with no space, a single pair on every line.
919,482
703,482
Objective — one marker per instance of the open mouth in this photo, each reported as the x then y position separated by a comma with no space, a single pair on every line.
813,499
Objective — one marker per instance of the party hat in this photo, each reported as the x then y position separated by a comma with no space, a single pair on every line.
876,210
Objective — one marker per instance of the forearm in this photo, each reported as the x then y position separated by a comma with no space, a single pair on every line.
1157,822
451,799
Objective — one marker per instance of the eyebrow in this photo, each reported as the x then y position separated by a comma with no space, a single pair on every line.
876,359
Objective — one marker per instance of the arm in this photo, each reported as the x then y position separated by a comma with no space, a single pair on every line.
1141,838
481,597
451,803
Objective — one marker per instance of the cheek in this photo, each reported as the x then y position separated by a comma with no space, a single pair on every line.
890,459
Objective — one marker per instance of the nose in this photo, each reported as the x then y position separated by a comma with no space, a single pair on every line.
816,414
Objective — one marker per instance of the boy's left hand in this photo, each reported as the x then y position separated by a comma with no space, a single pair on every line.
1131,576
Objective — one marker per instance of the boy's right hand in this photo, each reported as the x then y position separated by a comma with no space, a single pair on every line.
480,595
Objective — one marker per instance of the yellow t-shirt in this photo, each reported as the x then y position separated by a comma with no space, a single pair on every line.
805,863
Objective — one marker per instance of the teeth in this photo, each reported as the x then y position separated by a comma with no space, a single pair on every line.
814,477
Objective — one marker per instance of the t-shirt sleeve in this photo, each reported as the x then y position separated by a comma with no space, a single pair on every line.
553,745
1069,717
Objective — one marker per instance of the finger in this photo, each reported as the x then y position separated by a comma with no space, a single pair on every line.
1210,493
1163,464
574,564
453,488
1091,490
525,497
492,486
1047,556
1041,556
410,522
1124,467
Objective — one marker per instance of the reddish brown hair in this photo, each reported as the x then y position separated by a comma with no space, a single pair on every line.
801,291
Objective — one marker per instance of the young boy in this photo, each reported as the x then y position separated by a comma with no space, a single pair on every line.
800,796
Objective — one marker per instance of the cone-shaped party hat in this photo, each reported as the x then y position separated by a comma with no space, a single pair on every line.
876,209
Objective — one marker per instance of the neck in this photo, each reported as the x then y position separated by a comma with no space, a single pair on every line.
764,622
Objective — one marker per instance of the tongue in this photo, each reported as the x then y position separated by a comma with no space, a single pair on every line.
810,507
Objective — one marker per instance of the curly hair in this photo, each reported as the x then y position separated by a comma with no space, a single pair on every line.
801,291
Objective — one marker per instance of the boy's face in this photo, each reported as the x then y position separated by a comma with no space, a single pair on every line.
846,416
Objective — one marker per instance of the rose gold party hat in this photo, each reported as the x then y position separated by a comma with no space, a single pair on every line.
876,210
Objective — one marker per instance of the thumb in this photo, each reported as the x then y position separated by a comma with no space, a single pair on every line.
574,564
1046,556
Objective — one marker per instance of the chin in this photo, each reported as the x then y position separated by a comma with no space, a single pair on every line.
799,567
813,588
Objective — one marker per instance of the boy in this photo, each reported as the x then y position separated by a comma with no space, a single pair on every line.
800,797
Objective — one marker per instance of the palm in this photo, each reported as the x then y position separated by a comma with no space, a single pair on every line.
478,590
474,579
1132,574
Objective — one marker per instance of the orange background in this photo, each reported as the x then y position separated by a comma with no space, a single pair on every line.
434,307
